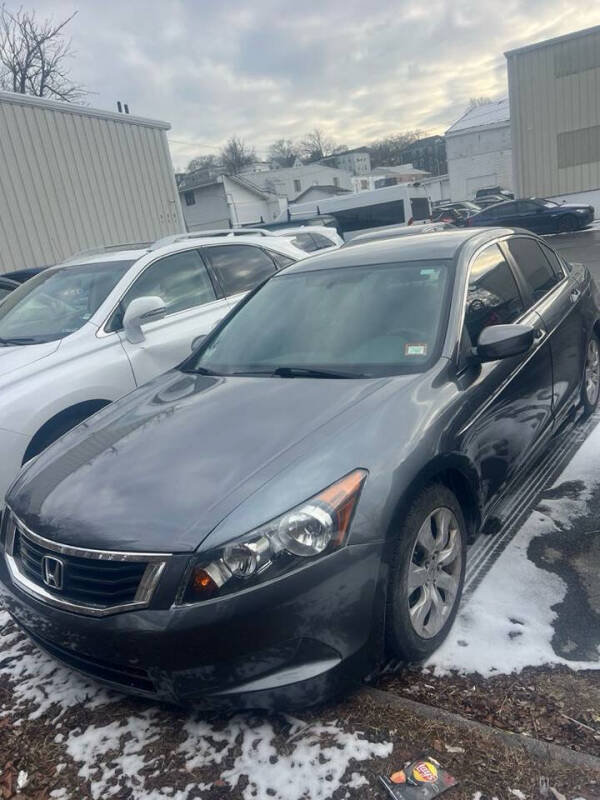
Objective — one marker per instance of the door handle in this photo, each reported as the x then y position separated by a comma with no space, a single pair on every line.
539,334
575,295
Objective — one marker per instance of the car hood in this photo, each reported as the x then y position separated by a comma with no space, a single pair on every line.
19,356
159,469
575,207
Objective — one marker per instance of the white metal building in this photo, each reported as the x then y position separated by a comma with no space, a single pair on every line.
74,178
479,151
554,89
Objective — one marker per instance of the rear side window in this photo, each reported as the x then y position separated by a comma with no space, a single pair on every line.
502,211
493,296
280,260
419,207
239,267
554,262
321,241
533,264
304,241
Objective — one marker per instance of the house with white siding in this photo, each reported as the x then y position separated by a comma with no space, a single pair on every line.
74,178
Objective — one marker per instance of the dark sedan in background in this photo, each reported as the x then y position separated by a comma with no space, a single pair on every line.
262,525
537,215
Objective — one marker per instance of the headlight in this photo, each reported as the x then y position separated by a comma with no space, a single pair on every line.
315,528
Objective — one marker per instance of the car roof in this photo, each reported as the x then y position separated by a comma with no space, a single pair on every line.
272,241
440,245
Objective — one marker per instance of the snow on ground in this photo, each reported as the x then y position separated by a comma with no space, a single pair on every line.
125,755
507,623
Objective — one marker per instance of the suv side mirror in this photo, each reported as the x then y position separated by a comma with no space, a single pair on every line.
504,341
140,311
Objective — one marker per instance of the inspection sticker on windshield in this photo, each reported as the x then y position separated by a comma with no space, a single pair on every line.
415,349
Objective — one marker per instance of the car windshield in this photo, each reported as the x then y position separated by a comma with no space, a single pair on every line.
348,322
57,302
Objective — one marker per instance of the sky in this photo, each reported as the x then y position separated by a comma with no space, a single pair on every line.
263,70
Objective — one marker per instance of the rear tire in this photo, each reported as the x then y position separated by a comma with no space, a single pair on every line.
590,387
426,575
567,224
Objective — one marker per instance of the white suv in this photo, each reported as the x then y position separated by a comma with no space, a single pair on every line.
84,333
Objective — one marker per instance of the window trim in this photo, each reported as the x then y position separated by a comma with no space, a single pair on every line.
102,328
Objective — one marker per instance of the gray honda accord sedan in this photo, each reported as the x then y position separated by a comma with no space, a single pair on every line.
263,525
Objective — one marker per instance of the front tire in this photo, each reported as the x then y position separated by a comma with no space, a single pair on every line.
590,387
567,224
426,575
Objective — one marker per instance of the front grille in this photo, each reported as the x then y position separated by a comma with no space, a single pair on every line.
92,582
84,580
130,677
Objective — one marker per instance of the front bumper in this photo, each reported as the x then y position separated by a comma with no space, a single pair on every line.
292,642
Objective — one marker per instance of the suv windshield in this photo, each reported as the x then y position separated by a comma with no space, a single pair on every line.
57,302
351,321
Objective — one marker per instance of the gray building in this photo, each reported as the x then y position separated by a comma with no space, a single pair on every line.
74,178
554,90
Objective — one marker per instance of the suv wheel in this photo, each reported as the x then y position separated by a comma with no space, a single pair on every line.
590,388
427,574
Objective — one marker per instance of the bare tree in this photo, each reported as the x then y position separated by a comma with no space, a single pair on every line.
236,155
388,151
284,151
316,145
474,102
34,56
202,162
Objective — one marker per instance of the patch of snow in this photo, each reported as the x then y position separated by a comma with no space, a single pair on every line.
487,114
22,779
357,780
518,794
507,623
40,684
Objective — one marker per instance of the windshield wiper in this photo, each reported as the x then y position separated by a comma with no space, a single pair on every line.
309,372
202,371
19,340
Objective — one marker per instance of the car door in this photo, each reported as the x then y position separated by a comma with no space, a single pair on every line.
507,408
193,307
238,268
531,216
557,298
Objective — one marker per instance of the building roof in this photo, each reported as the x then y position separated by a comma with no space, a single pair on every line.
326,188
555,40
400,169
84,111
205,180
494,113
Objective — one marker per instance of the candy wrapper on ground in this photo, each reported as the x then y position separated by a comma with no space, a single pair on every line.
422,779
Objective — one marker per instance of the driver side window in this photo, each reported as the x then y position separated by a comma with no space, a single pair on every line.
493,297
180,280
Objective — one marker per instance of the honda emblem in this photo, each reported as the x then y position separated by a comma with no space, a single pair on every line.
53,572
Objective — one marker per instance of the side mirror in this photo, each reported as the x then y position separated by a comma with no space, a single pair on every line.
140,311
504,341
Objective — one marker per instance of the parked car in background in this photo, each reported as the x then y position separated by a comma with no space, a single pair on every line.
6,287
394,231
264,524
537,215
455,213
312,238
79,335
493,191
22,275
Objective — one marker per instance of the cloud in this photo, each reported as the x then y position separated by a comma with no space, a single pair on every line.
265,69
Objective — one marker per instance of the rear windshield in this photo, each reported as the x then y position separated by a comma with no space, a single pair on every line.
57,302
360,321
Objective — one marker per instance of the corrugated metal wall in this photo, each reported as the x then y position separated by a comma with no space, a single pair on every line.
554,92
73,178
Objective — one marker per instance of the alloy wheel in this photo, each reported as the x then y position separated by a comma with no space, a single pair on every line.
434,572
592,372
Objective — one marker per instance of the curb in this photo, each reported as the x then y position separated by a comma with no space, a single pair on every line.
516,741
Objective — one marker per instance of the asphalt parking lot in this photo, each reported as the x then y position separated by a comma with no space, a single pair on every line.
523,656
